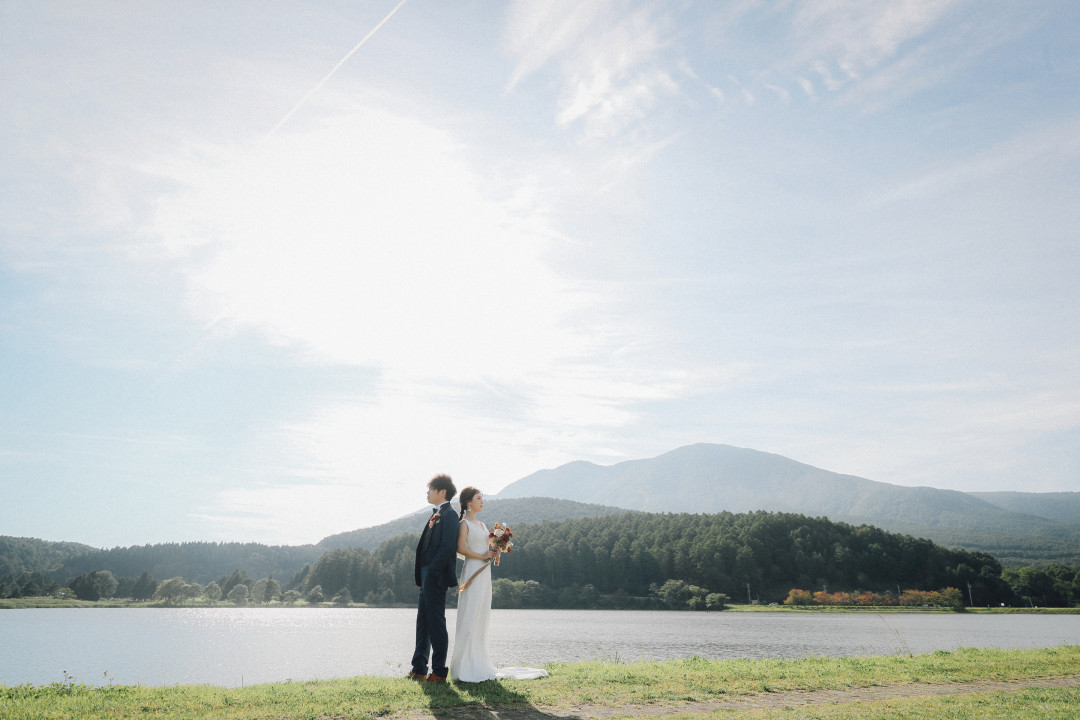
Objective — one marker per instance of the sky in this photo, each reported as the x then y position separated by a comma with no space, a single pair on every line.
267,267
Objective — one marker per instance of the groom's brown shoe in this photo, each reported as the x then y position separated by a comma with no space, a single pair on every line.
416,676
433,678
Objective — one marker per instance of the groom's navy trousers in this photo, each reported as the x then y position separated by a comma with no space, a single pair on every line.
436,571
431,635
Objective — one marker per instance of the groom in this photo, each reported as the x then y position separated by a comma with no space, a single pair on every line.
435,571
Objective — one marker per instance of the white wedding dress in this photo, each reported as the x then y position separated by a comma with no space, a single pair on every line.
471,661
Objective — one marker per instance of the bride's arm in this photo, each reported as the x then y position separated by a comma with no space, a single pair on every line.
463,544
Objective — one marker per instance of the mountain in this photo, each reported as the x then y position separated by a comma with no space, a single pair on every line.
707,478
518,511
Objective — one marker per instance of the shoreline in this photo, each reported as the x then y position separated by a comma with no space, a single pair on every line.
50,603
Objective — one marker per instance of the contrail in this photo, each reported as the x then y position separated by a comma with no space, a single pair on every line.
334,70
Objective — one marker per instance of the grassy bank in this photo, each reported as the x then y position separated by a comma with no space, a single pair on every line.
49,602
615,687
901,609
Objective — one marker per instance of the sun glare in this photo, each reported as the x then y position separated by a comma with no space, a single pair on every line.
368,240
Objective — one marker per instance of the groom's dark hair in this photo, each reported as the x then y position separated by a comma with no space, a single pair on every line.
443,482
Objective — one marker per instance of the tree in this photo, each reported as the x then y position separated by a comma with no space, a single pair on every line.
343,597
171,591
505,593
273,590
192,591
672,593
212,593
315,595
144,587
258,592
533,594
716,601
797,596
239,594
238,577
92,586
290,597
106,583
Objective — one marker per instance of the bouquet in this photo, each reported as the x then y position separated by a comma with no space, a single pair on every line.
502,538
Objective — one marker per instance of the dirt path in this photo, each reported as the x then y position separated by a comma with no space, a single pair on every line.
750,702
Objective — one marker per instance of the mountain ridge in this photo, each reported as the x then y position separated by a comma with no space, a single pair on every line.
713,478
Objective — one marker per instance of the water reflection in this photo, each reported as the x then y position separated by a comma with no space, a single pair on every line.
233,646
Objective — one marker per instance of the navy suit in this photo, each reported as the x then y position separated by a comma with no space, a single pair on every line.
435,571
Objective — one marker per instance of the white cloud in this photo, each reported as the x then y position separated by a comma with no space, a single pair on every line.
538,32
783,94
860,36
807,87
610,61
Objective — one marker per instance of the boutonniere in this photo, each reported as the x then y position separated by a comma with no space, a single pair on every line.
434,519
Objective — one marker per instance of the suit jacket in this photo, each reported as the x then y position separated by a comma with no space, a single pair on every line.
437,548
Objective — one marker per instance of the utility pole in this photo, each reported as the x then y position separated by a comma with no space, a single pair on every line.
970,599
748,598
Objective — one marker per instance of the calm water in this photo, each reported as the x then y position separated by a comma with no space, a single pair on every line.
233,646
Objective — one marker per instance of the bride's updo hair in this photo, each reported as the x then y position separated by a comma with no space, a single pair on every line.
466,497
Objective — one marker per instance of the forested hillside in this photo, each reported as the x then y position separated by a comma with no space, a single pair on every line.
514,511
29,555
196,561
772,552
761,555
631,559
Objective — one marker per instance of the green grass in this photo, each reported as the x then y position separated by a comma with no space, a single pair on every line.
900,609
51,602
837,608
611,685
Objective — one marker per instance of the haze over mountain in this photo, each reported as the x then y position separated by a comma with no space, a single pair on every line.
711,478
1061,506
514,512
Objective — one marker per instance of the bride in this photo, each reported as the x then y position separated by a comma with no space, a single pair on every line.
471,661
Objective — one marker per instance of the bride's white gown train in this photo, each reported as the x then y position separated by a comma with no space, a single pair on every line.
471,661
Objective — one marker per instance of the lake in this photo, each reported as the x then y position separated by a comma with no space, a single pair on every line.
232,647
